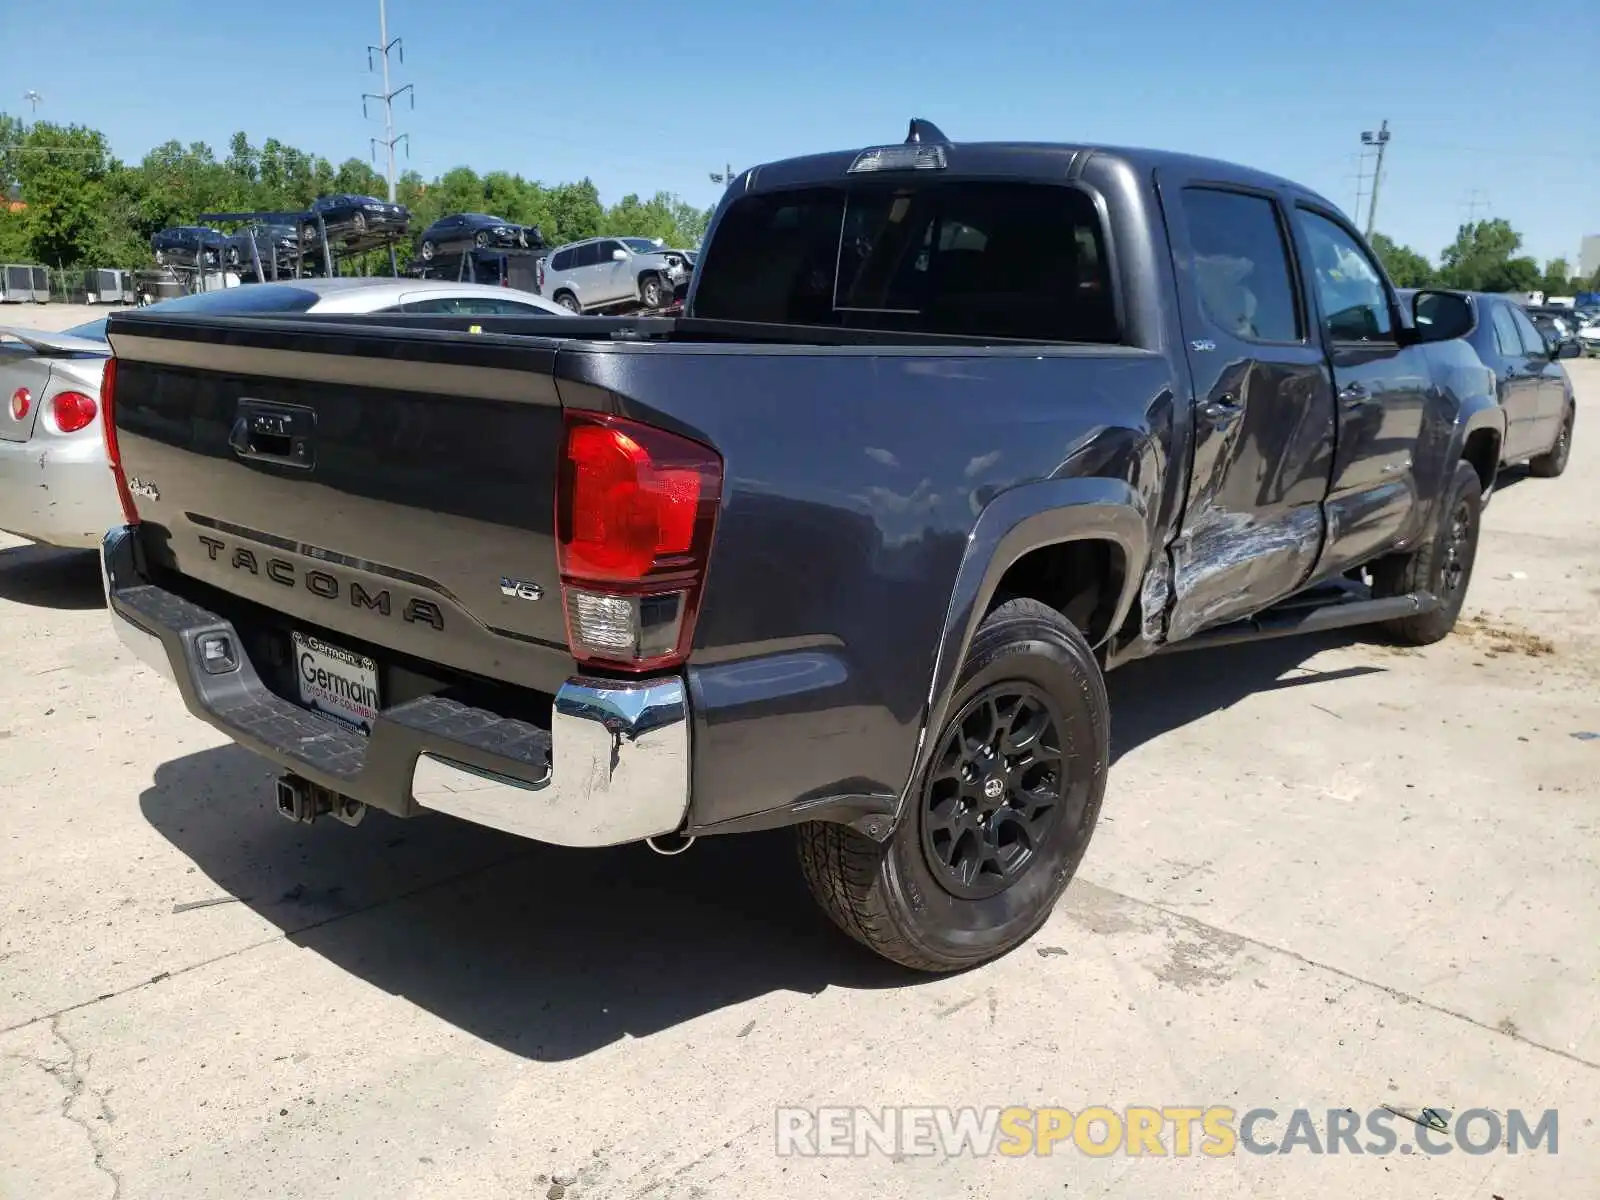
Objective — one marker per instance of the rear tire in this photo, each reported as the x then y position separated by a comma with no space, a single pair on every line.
1554,461
996,827
427,250
1443,565
568,301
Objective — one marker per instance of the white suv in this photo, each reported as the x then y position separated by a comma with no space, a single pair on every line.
611,272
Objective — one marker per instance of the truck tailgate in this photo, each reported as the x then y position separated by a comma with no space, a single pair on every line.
395,494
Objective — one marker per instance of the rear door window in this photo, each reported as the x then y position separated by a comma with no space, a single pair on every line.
1533,342
1241,265
1505,333
1002,260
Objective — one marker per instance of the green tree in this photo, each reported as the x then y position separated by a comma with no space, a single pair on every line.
1405,266
576,210
1558,278
1483,258
62,173
10,137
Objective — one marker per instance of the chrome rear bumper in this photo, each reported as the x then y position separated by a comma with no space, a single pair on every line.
613,767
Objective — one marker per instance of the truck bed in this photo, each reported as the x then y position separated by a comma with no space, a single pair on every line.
423,524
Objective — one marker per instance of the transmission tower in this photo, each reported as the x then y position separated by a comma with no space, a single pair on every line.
382,50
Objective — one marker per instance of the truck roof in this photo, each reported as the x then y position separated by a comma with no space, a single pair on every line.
1026,160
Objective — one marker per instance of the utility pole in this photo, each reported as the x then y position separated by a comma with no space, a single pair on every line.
386,97
32,98
726,178
1381,141
1476,199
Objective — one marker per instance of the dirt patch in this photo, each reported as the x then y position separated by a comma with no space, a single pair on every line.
1498,637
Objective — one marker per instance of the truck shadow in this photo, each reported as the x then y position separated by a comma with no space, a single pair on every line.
45,577
547,952
553,954
1153,696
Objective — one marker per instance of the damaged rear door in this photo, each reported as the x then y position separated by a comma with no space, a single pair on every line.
1264,422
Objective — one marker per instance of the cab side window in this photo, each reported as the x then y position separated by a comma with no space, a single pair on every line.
1350,291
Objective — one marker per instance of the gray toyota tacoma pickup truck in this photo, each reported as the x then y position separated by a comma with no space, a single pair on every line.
946,432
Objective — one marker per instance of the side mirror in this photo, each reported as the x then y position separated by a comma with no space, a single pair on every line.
1570,349
1440,316
619,256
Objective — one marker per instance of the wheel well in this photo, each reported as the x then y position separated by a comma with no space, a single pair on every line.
1081,580
1482,450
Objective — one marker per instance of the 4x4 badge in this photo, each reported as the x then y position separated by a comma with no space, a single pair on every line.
520,588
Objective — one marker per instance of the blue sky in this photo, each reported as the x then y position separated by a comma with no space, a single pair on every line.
646,97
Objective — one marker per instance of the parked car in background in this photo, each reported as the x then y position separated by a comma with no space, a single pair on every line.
349,216
477,231
54,483
1559,327
611,272
1533,391
272,241
184,245
848,548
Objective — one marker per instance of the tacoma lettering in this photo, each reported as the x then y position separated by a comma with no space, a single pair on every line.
322,584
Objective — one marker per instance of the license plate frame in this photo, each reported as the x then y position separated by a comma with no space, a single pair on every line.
336,682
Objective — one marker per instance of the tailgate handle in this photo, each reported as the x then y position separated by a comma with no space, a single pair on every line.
274,433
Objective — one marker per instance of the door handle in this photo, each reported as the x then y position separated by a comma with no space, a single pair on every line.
280,434
1222,409
1353,395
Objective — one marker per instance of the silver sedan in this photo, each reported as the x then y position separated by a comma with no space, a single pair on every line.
55,485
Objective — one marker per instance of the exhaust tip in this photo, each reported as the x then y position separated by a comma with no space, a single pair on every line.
670,845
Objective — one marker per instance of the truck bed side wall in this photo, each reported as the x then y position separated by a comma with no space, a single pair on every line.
853,482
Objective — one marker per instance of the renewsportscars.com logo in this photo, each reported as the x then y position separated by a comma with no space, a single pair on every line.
1156,1130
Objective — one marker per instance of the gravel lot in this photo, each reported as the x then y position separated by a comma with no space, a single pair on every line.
1331,874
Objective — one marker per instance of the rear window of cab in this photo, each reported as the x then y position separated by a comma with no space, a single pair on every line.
977,259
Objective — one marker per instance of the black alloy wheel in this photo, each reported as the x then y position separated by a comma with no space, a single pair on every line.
1001,815
1455,559
994,791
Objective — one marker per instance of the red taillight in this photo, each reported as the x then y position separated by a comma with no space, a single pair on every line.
21,402
635,510
72,411
108,426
